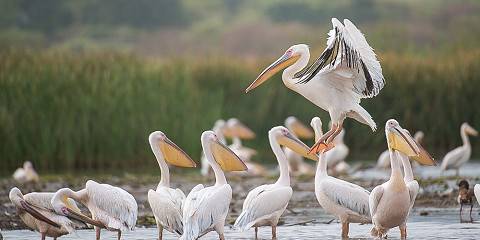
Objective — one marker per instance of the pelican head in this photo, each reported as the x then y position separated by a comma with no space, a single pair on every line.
235,128
171,152
469,129
222,154
27,165
298,128
65,206
400,140
285,138
290,57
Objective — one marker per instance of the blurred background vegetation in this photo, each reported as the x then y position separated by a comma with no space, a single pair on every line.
82,83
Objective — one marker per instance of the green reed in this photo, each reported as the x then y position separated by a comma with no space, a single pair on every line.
88,111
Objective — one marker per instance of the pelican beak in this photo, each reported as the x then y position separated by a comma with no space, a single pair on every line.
400,140
175,155
72,211
226,158
301,130
472,131
290,141
36,214
284,61
239,130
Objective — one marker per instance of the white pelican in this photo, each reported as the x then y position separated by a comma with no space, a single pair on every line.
383,161
36,211
26,174
218,127
338,154
391,202
347,201
206,208
476,190
345,72
460,155
295,161
166,202
111,207
266,203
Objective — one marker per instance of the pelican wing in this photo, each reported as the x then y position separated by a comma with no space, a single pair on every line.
374,199
114,203
204,208
349,56
166,207
454,158
262,202
346,194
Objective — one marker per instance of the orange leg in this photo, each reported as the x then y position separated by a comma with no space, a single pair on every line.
325,142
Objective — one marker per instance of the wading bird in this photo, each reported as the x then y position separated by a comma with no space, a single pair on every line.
266,203
347,201
166,202
460,155
111,207
36,211
465,197
345,72
390,202
295,160
206,208
383,161
26,174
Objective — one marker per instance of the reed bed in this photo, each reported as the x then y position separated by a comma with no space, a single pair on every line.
86,111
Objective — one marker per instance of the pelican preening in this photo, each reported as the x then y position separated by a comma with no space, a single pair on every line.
36,211
391,202
165,202
460,155
347,201
26,174
295,160
206,208
266,203
345,72
383,161
111,207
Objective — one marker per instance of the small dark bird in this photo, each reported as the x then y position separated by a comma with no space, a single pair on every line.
465,197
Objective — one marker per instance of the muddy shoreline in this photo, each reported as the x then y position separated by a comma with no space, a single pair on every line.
435,192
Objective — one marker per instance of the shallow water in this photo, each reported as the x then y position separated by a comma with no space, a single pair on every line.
440,223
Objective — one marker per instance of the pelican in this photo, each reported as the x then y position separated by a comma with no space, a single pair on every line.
206,208
26,174
347,201
460,155
166,202
338,154
265,204
345,72
36,211
384,159
295,161
218,127
391,202
111,207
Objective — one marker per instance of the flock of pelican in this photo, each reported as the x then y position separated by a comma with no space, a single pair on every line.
345,72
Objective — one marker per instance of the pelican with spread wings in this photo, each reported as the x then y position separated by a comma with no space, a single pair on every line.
345,72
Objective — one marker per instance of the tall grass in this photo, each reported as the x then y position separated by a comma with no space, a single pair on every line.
87,111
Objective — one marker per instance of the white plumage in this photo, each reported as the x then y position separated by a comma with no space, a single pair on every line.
39,204
345,72
165,202
460,155
218,128
476,190
205,209
347,201
111,206
26,174
338,153
266,203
